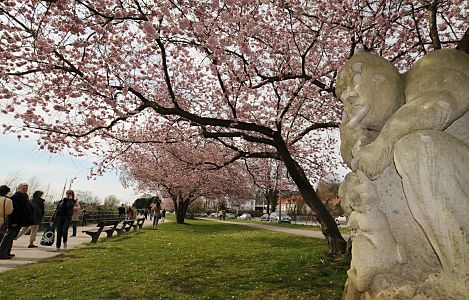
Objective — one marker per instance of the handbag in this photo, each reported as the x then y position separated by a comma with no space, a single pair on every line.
48,237
3,227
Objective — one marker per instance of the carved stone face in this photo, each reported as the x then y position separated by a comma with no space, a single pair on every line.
370,88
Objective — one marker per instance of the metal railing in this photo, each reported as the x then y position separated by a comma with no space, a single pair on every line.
91,217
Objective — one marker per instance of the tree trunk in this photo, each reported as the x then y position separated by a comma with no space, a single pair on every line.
329,227
180,209
271,195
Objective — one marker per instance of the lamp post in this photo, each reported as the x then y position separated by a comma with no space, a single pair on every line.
71,180
279,210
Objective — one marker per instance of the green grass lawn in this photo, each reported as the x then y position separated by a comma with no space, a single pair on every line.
200,260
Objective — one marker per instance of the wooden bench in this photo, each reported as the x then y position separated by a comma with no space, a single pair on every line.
94,233
139,223
125,226
111,227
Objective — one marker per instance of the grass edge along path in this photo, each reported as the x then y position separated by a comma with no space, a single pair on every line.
199,260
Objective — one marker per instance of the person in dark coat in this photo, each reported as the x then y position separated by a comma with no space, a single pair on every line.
37,205
20,217
121,211
62,218
130,213
84,217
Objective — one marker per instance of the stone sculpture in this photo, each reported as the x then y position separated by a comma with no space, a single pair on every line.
406,138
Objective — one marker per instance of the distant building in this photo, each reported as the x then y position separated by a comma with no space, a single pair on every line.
291,202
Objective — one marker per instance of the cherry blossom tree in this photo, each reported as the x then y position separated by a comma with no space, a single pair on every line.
184,172
256,76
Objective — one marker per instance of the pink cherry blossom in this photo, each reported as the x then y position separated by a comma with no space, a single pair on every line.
256,77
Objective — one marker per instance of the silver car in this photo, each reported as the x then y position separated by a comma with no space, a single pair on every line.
274,217
245,216
265,217
341,220
230,216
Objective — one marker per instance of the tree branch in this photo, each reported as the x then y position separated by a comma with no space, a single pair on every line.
419,36
270,79
433,9
243,154
111,124
247,137
313,127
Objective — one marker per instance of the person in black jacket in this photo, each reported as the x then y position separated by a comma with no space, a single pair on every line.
21,216
37,205
121,211
62,218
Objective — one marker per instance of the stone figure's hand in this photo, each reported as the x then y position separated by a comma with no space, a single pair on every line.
349,136
372,159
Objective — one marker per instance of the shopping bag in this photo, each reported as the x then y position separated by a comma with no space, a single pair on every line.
48,236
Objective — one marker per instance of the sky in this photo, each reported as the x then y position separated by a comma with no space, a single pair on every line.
26,159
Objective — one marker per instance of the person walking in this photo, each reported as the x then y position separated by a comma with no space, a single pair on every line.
37,204
6,206
130,213
20,217
63,217
151,209
84,217
156,214
75,218
163,215
121,211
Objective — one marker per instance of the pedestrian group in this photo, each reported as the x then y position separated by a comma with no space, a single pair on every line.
19,215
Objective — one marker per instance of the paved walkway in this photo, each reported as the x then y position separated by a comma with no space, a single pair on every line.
303,232
25,255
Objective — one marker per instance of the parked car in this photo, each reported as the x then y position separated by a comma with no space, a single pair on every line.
201,215
230,216
341,220
245,216
213,215
265,217
274,217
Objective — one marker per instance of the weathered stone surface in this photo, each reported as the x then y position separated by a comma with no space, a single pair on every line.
406,138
